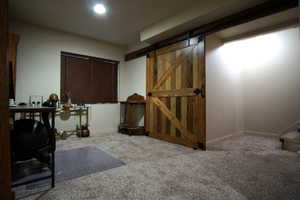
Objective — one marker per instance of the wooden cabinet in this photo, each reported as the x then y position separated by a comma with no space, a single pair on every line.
132,115
13,41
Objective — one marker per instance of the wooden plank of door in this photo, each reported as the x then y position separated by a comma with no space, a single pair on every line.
199,81
184,113
186,134
176,140
173,110
185,92
166,122
166,75
184,84
149,109
196,84
173,99
173,47
178,99
202,101
196,70
150,117
161,119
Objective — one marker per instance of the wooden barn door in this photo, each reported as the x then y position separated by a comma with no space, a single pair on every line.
176,93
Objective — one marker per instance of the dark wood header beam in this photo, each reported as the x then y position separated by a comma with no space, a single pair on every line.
5,168
262,10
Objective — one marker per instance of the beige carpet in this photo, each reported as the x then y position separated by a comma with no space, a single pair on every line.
247,167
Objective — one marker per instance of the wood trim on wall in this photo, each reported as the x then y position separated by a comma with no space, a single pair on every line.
5,165
89,57
262,10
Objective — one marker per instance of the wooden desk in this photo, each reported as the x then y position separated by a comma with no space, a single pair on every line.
32,110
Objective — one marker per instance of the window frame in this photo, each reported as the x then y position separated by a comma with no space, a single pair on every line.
63,74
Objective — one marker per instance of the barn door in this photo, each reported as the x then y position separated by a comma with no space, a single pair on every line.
176,93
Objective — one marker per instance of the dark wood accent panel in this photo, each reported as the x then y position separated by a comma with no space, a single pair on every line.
13,41
104,79
90,57
5,168
88,79
77,80
63,74
267,8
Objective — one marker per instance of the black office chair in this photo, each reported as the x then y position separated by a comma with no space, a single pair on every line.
33,139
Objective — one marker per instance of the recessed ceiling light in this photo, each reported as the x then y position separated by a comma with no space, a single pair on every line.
99,9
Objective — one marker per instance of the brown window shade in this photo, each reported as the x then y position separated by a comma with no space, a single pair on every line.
88,79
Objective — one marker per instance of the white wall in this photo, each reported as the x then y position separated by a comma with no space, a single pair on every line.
38,68
269,65
272,82
224,115
134,76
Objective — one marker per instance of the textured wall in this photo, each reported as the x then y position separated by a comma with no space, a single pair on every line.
268,66
134,77
271,81
223,100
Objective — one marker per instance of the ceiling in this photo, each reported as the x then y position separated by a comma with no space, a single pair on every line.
121,24
200,13
265,24
125,19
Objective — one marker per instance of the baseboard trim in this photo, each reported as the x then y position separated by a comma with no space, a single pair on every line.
293,126
103,131
260,133
239,133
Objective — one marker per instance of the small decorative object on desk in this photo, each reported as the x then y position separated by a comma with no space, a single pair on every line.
132,115
52,101
35,98
11,102
53,98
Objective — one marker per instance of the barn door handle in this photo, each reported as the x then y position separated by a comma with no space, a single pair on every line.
197,91
203,91
200,91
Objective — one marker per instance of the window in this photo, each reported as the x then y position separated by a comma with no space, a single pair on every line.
88,79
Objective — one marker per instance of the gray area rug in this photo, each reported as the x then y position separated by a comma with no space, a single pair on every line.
75,163
241,168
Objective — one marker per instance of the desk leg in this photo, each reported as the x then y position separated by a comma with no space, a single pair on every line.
53,120
53,153
80,123
87,116
53,170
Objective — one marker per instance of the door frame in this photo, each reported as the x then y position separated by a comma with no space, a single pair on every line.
5,163
173,47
